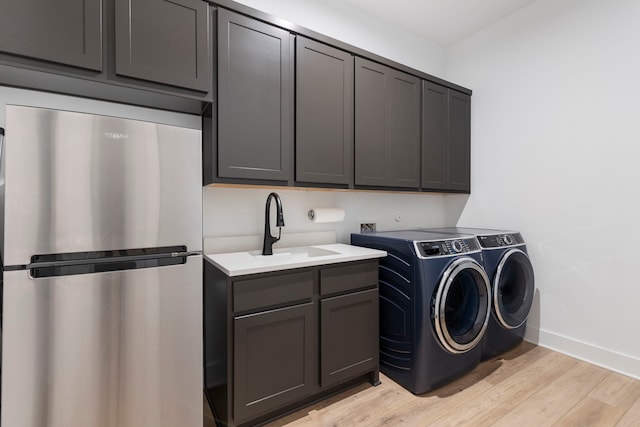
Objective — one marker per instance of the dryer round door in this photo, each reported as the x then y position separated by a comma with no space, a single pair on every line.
513,288
462,305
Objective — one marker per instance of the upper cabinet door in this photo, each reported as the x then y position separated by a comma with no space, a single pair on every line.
403,129
446,140
255,105
63,31
435,136
324,113
387,126
460,141
164,41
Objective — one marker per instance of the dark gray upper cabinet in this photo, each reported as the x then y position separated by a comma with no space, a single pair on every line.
324,113
445,139
460,141
435,136
255,99
164,41
387,126
64,31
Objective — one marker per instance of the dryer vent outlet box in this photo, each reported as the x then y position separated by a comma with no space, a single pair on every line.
368,227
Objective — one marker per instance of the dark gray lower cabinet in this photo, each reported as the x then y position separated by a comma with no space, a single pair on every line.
64,31
387,126
349,340
324,113
446,121
273,359
164,41
255,99
276,341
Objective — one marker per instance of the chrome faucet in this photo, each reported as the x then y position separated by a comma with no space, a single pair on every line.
269,240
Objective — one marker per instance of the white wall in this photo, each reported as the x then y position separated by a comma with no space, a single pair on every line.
337,19
240,211
556,154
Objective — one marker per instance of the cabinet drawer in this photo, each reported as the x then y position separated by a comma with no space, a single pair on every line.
262,292
348,277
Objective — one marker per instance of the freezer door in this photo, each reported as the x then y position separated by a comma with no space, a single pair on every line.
78,182
117,349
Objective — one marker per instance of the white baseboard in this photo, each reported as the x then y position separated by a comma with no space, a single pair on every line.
617,362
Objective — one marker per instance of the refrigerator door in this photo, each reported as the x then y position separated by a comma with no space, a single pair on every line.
117,349
77,182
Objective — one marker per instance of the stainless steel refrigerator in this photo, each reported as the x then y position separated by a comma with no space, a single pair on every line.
102,264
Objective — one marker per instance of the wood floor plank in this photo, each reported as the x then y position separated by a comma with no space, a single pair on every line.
530,378
360,409
617,390
632,417
375,409
590,412
500,400
553,401
522,356
477,412
346,398
427,409
312,415
543,409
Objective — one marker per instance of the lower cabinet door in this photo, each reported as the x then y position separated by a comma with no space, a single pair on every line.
349,343
274,359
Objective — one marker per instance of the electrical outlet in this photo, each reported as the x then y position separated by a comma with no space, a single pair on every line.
368,227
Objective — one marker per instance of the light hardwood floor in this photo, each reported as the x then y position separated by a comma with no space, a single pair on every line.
528,386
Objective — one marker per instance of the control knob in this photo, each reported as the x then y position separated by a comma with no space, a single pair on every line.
508,240
456,246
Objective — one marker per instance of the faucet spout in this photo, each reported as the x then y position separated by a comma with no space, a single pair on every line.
269,240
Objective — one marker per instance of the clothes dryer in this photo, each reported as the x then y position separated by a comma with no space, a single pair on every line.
507,264
434,306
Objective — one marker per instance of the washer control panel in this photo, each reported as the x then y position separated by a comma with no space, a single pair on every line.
450,247
501,240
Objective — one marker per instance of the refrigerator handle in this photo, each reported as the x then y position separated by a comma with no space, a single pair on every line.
1,141
184,254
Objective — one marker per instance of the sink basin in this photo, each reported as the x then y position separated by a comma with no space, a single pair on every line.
253,262
301,252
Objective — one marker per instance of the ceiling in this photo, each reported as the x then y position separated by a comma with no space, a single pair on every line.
442,21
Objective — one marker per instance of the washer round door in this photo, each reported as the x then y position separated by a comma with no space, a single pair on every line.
462,305
513,288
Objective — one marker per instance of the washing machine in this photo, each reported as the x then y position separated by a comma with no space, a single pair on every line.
507,264
434,305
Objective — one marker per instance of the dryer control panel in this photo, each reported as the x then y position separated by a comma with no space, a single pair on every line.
501,240
449,247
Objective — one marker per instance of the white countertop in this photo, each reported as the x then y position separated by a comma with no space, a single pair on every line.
241,263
